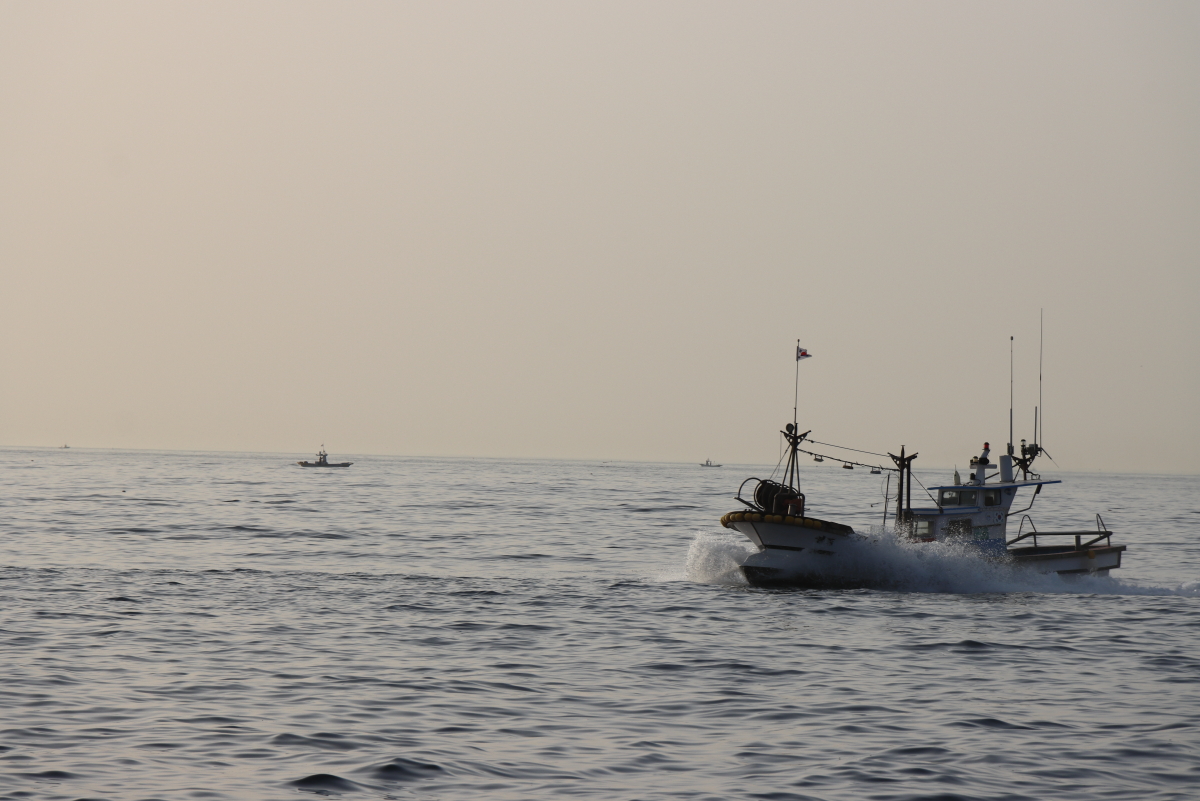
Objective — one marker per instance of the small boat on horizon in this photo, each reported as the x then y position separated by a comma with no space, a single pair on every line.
709,463
323,461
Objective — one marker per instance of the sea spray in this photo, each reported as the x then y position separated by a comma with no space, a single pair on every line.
716,558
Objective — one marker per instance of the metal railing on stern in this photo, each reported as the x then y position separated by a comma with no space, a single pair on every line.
1101,532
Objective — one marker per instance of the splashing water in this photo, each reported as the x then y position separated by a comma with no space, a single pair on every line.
716,558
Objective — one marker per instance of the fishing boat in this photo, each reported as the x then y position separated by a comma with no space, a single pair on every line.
709,463
323,461
798,550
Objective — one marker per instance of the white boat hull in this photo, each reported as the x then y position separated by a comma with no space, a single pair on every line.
790,537
793,555
798,555
813,569
1069,559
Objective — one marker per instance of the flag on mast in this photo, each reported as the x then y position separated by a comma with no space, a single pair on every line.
802,353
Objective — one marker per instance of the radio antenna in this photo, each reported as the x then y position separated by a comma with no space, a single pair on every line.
1041,341
1010,396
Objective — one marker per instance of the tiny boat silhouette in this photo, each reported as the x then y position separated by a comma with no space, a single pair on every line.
323,461
709,463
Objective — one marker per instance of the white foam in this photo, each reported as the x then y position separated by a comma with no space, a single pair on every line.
715,558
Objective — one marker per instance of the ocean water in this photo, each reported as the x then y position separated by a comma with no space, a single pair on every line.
232,626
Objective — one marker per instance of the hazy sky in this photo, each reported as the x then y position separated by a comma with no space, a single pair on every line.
596,230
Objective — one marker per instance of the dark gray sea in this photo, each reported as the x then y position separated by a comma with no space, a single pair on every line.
232,626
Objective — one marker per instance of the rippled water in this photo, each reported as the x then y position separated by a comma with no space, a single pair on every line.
216,626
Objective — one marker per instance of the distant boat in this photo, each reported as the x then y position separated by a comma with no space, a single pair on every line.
64,446
323,461
709,463
876,471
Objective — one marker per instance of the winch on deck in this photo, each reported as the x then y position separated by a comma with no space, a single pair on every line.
771,496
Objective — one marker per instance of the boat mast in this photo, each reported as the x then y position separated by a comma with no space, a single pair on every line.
796,397
793,467
903,487
794,437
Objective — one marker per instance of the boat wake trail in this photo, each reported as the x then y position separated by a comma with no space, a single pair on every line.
884,562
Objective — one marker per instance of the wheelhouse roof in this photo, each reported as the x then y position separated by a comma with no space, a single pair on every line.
998,484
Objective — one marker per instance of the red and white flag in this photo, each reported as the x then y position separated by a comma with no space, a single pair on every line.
802,353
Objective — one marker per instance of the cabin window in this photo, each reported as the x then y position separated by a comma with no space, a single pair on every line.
967,497
949,497
922,530
991,497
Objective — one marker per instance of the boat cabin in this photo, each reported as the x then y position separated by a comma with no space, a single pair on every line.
975,512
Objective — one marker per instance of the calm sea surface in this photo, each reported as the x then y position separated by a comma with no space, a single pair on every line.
232,626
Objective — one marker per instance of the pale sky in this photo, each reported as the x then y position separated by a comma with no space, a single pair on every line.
597,229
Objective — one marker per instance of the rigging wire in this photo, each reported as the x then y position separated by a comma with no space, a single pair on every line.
844,448
781,454
846,461
927,492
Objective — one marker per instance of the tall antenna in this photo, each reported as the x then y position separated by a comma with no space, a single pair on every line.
1041,341
1010,397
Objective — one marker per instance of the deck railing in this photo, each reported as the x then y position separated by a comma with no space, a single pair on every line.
1101,532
